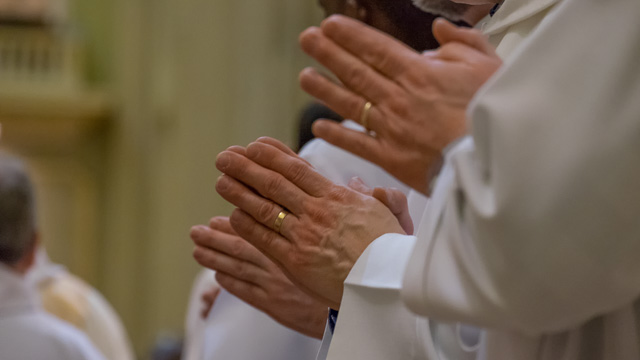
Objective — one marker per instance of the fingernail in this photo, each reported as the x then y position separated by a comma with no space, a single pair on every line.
222,161
320,127
222,183
308,72
198,229
253,150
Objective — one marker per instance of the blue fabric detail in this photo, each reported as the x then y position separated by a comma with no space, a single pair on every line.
495,9
333,318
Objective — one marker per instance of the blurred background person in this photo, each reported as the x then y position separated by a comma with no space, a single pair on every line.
26,331
72,300
117,107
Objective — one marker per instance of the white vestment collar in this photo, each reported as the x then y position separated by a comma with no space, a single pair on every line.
15,295
43,269
515,11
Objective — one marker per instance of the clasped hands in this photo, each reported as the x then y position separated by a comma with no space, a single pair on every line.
327,227
419,107
419,101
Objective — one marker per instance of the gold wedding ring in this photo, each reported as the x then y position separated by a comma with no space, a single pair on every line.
277,225
364,115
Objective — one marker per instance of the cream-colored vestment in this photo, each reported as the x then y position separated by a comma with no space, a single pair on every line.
531,232
29,333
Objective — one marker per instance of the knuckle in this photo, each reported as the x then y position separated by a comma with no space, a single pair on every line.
297,171
265,211
297,259
236,248
337,192
266,239
382,59
399,104
319,214
238,222
272,185
357,77
240,270
354,107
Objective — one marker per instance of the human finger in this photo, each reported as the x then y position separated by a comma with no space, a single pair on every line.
237,149
219,261
352,72
396,201
353,141
277,144
208,299
270,243
292,168
446,32
232,245
456,52
343,101
375,48
221,223
268,183
358,185
281,146
261,209
251,293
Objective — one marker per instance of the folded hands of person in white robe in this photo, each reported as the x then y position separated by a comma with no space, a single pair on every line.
328,225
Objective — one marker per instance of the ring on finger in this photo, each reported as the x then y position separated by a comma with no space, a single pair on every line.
277,224
364,115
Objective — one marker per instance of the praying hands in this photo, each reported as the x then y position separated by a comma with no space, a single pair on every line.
313,229
414,104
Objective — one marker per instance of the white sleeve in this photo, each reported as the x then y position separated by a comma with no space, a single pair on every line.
377,274
341,166
372,308
195,325
533,225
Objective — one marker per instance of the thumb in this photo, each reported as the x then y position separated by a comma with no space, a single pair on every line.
208,299
446,32
358,185
396,201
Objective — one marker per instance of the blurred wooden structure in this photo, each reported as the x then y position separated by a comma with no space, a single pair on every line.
49,118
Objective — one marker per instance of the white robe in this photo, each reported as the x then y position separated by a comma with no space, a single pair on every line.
28,333
235,330
537,234
195,324
340,166
76,302
379,271
532,230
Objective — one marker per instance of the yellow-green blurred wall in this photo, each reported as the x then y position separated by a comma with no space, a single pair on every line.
187,79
